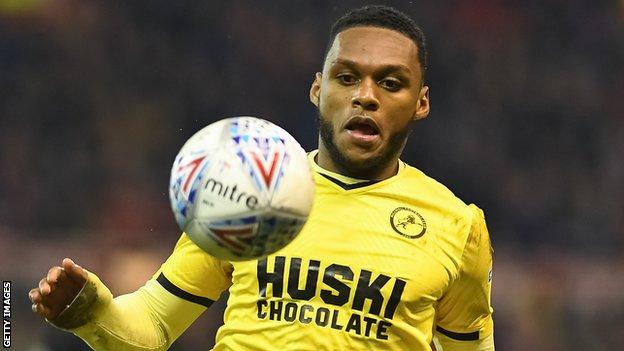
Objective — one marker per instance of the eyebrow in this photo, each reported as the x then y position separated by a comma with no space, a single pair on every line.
385,68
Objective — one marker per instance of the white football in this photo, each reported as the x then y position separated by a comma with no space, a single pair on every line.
241,188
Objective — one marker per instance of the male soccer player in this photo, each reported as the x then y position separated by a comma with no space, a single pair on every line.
389,259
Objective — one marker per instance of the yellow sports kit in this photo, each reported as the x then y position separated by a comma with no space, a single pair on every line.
397,264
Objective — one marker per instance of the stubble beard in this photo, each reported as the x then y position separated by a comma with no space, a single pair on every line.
368,168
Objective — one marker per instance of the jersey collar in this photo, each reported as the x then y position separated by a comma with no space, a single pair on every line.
345,182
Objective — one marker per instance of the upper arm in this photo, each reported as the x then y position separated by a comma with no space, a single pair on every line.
192,274
464,313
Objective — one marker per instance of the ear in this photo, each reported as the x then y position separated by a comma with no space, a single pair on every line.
315,89
422,108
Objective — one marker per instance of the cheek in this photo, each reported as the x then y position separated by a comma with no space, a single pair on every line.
399,115
404,105
332,104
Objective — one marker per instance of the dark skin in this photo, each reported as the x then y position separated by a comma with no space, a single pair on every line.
57,289
369,93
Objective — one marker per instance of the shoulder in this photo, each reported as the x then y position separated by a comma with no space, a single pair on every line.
436,194
453,222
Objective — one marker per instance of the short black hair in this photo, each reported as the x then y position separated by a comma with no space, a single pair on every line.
383,17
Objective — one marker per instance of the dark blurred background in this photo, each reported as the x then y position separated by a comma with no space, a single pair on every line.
527,120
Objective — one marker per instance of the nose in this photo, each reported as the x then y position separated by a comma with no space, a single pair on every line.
365,96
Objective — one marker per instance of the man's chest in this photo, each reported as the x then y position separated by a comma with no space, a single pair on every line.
355,263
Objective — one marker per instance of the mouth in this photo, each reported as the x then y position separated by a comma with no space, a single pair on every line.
363,129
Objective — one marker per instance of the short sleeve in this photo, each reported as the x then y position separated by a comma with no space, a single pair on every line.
464,312
193,274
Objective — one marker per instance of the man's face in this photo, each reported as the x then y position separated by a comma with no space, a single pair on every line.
369,92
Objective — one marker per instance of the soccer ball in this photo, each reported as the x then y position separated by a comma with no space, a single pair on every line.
241,188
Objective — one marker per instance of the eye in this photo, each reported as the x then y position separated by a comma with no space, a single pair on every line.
347,78
391,84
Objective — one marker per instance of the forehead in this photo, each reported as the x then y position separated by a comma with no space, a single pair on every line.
373,46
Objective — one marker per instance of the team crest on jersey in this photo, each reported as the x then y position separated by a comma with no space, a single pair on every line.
408,222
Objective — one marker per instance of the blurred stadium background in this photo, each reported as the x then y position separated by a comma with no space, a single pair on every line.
96,98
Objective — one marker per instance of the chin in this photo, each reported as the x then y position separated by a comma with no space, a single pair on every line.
357,164
360,161
359,158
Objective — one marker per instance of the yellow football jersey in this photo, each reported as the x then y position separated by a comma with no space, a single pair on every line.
380,265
